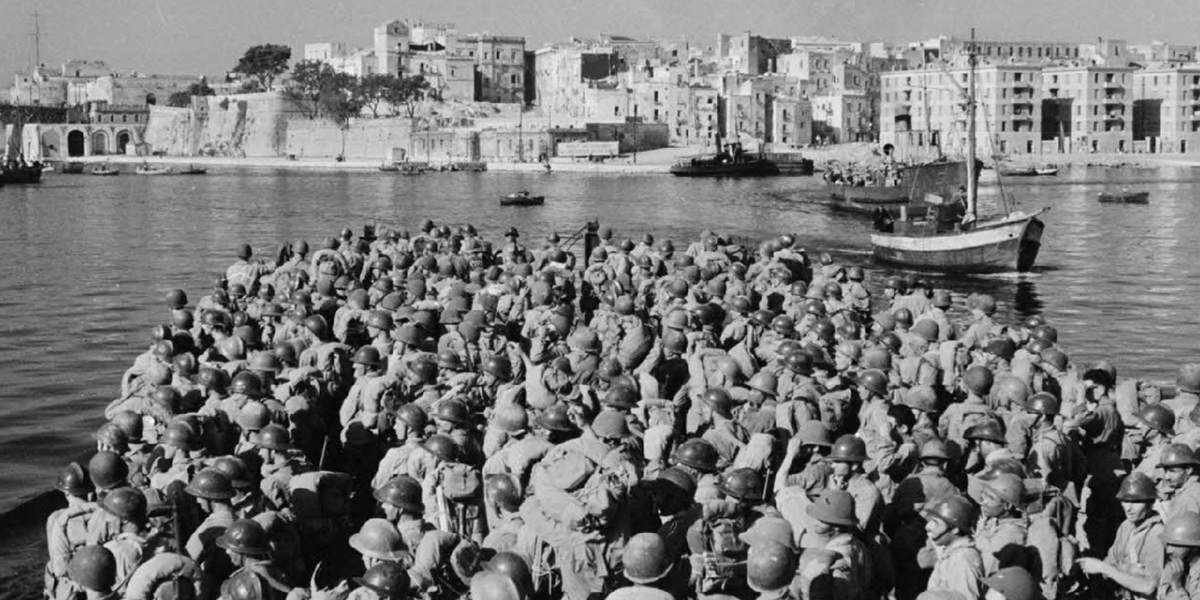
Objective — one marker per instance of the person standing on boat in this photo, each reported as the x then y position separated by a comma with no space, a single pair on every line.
950,216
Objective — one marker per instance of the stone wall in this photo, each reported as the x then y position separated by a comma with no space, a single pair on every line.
364,139
232,125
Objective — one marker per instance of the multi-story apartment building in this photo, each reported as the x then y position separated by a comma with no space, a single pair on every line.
1091,106
1166,110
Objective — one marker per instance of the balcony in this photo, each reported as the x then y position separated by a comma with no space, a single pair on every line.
1022,85
1113,85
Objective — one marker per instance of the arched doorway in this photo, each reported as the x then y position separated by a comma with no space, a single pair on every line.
51,144
122,141
151,100
99,143
75,143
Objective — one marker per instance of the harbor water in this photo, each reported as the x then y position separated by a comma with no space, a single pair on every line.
87,261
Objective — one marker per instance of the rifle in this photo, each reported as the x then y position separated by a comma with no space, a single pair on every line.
444,522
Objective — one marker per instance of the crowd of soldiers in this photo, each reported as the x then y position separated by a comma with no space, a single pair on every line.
430,416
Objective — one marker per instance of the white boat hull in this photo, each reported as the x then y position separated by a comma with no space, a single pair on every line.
1003,246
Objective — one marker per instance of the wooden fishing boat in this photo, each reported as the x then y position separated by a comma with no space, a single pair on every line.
16,174
192,170
104,171
71,168
1005,244
522,199
940,178
1047,171
149,170
1125,197
1027,172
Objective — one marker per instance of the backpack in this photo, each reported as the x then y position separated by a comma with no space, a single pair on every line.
724,556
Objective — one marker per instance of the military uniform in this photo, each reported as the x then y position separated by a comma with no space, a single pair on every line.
66,532
1138,549
959,569
1001,542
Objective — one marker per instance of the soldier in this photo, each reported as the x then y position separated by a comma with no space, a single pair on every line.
1153,432
847,457
1135,559
647,565
384,581
256,576
503,499
1012,583
403,506
67,528
714,541
93,570
213,491
977,383
278,465
834,528
1180,484
957,564
1002,529
725,434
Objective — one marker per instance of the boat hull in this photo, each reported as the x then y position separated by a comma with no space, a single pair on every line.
751,169
20,175
1130,198
1010,245
942,179
522,200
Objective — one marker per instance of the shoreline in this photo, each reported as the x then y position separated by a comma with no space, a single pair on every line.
650,165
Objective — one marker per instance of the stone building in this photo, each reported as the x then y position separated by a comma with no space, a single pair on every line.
1166,109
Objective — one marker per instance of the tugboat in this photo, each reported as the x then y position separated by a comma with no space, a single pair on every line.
731,161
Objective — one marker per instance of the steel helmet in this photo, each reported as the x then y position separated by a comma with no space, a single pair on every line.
1178,455
1137,487
1046,332
1055,357
678,319
740,304
624,306
762,318
891,341
885,322
235,469
369,356
986,304
927,329
987,430
1044,403
852,350
211,484
487,585
1014,583
513,566
556,418
389,580
825,330
412,415
610,424
274,437
783,325
180,435
765,382
942,299
978,380
453,411
698,454
848,448
1157,417
511,418
1003,348
74,480
503,490
378,539
677,288
903,316
935,450
248,384
874,381
621,396
770,566
897,283
956,511
921,397
442,447
1008,487
646,558
799,363
855,273
217,379
676,483
110,434
498,367
718,401
93,568
834,507
253,416
246,537
318,326
729,367
423,371
743,484
127,504
168,399
876,358
107,470
380,320
409,334
131,423
1183,530
1012,389
1188,378
402,492
176,299
815,433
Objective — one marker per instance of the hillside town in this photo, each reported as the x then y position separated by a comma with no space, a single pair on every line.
484,97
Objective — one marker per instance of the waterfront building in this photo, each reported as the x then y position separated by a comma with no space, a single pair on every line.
79,82
1166,109
358,62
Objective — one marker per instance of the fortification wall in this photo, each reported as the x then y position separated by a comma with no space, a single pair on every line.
364,139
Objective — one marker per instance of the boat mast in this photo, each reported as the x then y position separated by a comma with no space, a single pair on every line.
972,182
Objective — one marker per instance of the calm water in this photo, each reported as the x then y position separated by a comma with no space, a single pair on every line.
88,259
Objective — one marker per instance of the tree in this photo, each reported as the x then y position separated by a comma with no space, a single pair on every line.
373,90
341,100
264,63
183,99
406,92
309,79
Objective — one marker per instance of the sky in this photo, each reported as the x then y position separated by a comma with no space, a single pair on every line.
206,37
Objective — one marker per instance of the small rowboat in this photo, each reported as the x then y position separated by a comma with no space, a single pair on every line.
1125,197
522,199
1047,172
148,170
104,171
194,171
71,168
